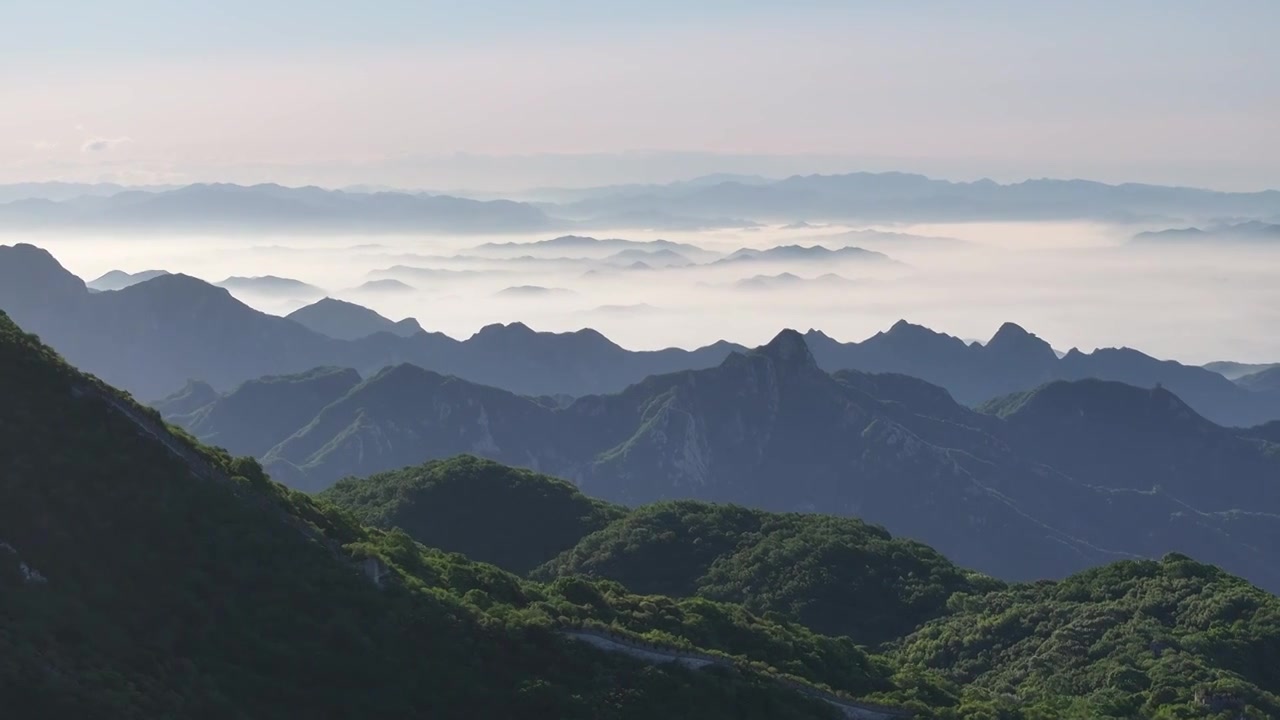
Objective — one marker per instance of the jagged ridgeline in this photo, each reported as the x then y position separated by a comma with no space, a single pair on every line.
144,575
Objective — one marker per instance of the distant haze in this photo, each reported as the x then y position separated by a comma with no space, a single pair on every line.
499,95
1074,284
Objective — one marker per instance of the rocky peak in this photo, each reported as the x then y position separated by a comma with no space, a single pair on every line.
497,330
1013,338
789,352
910,337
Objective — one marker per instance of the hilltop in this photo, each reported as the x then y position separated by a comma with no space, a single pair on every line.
343,320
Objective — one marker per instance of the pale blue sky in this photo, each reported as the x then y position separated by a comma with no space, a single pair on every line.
319,91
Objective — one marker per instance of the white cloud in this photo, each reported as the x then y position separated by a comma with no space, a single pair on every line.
44,145
102,144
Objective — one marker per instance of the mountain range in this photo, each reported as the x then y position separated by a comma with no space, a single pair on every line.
1252,231
1008,491
886,197
716,201
803,254
592,247
1014,359
58,191
143,574
226,207
786,280
152,337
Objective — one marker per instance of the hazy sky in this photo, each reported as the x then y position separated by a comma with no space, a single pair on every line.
390,92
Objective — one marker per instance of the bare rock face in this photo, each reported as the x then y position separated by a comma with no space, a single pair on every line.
28,573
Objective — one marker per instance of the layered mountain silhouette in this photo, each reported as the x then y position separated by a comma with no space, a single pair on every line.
56,191
533,291
388,285
770,429
143,574
257,415
1236,370
1139,439
880,239
1265,381
664,257
152,337
271,285
234,208
894,196
119,279
1014,359
789,281
1252,231
347,321
585,246
801,253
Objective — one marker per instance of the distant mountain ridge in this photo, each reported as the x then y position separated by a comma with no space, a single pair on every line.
257,415
118,279
1236,370
1014,496
152,337
227,207
1014,360
895,196
343,320
788,280
271,285
801,253
603,247
1249,232
1263,381
714,201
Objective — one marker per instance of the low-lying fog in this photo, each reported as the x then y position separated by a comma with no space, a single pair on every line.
1083,285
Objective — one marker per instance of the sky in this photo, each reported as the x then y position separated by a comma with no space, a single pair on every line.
505,94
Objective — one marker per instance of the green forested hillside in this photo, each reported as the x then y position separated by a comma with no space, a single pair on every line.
838,576
513,518
1132,639
1128,640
